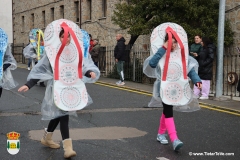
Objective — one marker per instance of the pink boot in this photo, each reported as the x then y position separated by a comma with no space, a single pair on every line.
162,127
161,137
170,125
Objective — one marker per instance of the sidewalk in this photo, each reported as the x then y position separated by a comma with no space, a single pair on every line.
225,104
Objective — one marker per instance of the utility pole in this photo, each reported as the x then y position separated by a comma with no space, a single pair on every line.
220,48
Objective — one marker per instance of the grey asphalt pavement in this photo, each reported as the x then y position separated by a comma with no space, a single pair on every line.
202,132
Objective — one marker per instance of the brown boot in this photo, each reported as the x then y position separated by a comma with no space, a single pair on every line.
47,140
68,149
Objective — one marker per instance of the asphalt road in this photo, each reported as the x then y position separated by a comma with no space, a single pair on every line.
206,132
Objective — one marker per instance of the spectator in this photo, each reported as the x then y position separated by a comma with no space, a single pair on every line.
95,52
91,43
196,47
205,70
119,54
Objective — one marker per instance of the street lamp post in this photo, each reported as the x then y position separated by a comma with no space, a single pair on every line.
220,48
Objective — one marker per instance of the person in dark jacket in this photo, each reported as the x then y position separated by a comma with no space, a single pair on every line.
196,47
205,71
119,54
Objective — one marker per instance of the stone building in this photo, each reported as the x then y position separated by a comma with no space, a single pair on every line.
233,14
93,16
231,55
6,19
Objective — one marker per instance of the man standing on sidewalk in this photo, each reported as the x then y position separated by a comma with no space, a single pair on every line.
119,54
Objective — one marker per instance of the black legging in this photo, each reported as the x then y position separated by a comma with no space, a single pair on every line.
0,91
167,110
5,66
63,126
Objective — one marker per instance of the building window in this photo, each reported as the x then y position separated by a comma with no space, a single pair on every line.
77,10
44,19
62,11
104,8
89,4
23,24
52,14
32,21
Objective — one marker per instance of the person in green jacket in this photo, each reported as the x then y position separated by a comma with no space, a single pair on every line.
196,47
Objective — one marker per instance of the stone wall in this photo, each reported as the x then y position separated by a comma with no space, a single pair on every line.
92,19
100,27
6,19
26,9
231,59
233,14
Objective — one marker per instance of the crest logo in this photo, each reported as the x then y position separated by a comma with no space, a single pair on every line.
13,142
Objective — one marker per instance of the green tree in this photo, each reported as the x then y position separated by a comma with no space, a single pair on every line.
140,17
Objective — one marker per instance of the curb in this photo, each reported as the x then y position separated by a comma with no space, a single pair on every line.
204,105
125,87
219,107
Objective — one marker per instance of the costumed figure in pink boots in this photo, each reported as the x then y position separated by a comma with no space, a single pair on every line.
170,64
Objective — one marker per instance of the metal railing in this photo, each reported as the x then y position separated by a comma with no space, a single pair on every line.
134,65
231,72
133,69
